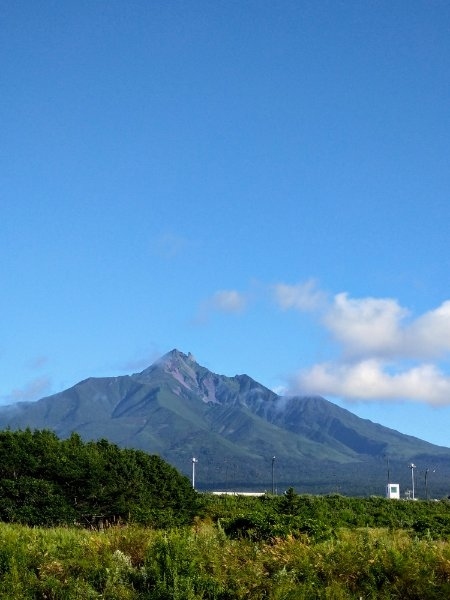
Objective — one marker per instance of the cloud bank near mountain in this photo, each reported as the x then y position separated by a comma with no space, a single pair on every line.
36,388
384,351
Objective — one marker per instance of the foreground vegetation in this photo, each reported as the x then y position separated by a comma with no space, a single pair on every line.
168,542
291,547
202,562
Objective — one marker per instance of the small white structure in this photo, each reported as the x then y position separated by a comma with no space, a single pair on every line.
218,493
393,491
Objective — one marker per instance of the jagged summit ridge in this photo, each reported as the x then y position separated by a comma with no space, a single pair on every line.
177,363
174,358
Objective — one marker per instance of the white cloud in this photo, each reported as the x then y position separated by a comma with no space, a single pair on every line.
429,334
366,326
384,351
379,326
372,327
370,380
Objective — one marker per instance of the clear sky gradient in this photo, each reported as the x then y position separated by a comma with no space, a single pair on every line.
264,184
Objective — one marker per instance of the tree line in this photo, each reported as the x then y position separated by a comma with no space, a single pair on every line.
48,481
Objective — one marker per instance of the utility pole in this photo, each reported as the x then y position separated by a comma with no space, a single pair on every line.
273,475
427,496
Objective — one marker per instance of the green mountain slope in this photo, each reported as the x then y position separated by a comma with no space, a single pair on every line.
235,426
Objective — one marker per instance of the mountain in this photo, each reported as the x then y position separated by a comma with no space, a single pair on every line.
243,434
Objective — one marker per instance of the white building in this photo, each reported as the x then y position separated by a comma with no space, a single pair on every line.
393,491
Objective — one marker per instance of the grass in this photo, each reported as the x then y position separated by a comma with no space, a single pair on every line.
200,562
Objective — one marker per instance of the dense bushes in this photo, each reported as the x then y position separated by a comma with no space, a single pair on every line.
47,481
318,517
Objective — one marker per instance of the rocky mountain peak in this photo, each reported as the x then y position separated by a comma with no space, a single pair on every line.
180,366
170,362
176,358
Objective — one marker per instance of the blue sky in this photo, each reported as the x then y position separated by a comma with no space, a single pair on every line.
264,184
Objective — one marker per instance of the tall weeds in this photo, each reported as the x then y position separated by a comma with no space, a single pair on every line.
201,562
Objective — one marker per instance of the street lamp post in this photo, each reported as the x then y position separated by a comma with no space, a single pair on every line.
194,462
412,466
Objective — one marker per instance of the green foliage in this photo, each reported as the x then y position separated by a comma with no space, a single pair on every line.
290,502
320,517
47,481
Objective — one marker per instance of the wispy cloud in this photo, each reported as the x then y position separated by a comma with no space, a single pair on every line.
37,362
33,390
141,362
385,352
228,301
222,301
302,296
